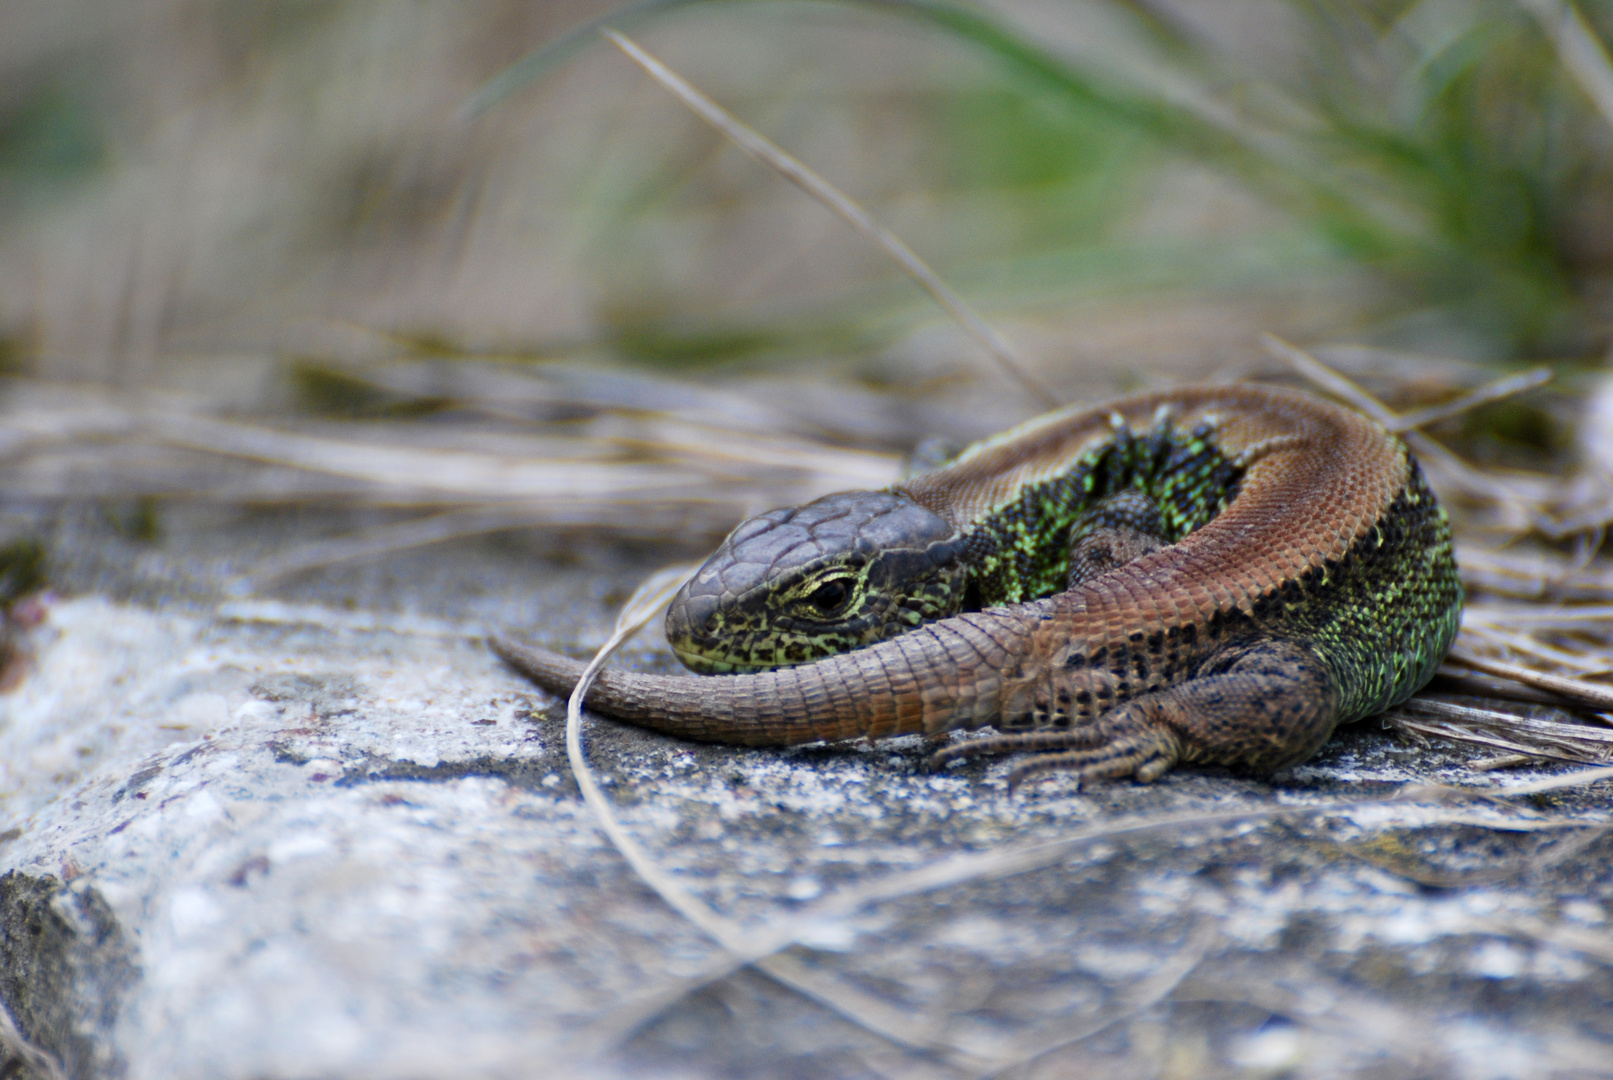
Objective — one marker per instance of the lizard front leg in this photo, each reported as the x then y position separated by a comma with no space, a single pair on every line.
1256,706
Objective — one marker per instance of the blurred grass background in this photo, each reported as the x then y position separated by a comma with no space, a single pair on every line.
275,303
468,259
199,192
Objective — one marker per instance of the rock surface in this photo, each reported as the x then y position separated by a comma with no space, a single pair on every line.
328,834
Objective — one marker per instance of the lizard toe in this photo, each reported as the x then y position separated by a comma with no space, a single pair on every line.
1145,755
1006,744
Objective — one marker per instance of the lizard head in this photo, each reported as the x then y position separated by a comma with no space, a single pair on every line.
805,582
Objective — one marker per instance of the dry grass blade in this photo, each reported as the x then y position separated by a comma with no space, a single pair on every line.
385,540
1599,737
956,870
1488,632
690,456
1403,861
1326,378
1149,992
1401,423
639,609
1541,616
625,468
1581,52
959,870
1517,516
173,446
1555,783
662,477
1577,690
1498,794
1484,395
463,474
1474,736
1533,575
1514,733
891,1022
1459,680
39,1064
759,147
872,1016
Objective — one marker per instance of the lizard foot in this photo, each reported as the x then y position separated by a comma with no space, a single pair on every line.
1007,744
1145,755
1145,752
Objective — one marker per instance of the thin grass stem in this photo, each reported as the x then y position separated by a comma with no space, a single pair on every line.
759,147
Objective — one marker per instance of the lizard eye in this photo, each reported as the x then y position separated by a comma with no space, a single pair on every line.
830,596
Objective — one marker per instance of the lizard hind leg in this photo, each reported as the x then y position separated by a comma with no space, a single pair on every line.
1255,706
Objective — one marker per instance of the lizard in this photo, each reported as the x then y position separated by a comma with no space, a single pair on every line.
1211,574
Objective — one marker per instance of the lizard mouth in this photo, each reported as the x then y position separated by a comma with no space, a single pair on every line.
703,663
769,653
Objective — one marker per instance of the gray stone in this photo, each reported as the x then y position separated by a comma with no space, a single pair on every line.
330,835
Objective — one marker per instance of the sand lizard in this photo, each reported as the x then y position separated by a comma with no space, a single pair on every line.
1217,574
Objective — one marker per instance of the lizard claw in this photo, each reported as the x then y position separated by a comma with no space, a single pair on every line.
1007,744
1146,756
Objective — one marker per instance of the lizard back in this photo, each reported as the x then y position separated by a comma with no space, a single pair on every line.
1288,513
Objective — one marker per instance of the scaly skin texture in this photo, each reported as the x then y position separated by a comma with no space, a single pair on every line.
858,567
1284,569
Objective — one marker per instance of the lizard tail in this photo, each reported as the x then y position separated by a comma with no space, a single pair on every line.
903,686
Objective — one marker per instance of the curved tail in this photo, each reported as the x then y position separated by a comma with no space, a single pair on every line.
940,677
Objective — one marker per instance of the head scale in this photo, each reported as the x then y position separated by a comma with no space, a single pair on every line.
805,582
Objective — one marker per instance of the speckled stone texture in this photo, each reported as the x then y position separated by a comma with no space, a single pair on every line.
326,833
